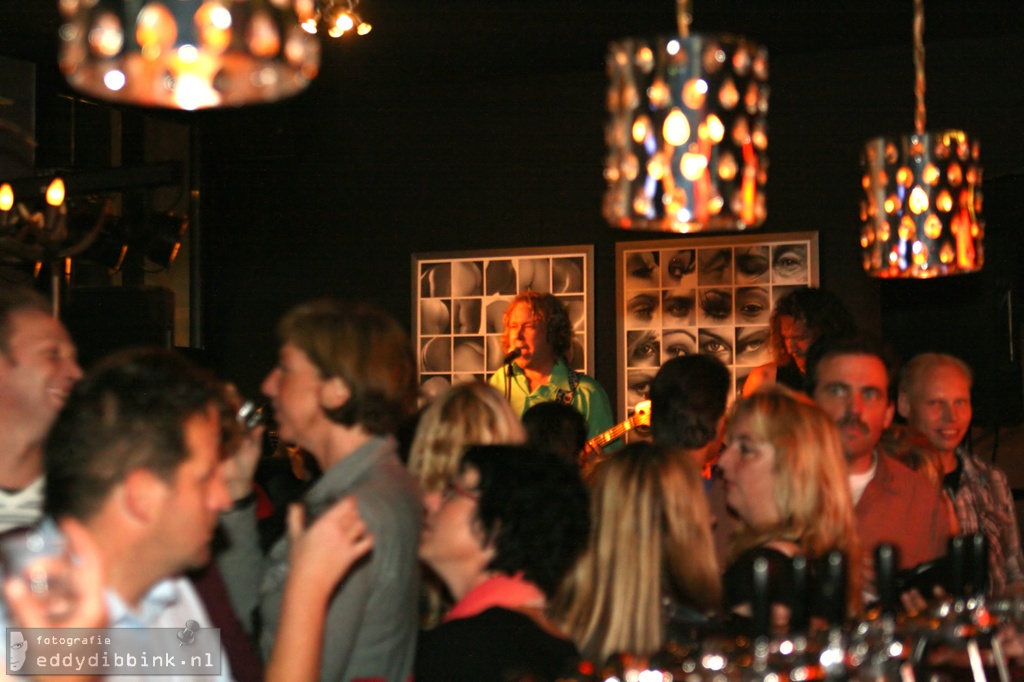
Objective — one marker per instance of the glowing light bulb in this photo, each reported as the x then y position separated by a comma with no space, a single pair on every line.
55,192
345,22
716,131
6,197
676,129
918,202
640,129
693,166
114,79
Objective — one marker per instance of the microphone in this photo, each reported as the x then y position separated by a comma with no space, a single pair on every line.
512,356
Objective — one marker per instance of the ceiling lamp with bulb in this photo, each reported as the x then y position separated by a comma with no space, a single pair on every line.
188,54
336,18
687,133
921,215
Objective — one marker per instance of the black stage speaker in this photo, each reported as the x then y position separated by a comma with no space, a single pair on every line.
975,317
104,319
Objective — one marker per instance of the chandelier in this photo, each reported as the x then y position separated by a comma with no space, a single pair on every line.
336,17
188,54
921,212
687,134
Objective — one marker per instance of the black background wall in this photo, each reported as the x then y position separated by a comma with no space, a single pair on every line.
462,125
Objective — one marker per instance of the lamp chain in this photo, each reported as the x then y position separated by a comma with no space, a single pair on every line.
919,114
684,16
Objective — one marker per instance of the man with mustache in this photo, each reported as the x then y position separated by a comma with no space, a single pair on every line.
849,379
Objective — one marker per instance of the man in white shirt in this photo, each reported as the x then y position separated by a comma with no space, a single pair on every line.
38,367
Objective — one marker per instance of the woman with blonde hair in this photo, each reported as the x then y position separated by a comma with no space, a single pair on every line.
471,413
650,572
786,481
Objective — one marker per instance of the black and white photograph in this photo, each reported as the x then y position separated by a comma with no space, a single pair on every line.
459,303
712,295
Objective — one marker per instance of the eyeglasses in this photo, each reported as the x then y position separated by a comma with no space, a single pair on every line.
453,490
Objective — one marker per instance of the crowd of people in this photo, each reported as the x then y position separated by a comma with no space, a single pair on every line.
479,551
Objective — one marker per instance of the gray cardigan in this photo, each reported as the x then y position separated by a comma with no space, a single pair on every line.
372,620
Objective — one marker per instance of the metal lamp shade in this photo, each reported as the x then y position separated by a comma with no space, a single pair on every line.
921,213
687,134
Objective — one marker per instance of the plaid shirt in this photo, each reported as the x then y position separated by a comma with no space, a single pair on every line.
984,503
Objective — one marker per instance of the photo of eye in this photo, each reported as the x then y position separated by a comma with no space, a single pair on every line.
435,318
714,306
717,342
789,264
752,347
780,292
638,387
643,349
467,316
678,265
714,266
753,305
703,295
676,343
752,264
642,270
643,310
500,278
679,306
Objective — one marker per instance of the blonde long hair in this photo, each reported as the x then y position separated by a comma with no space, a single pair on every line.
651,529
812,491
471,413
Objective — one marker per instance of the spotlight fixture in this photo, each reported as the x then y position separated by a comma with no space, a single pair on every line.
921,213
188,54
163,233
336,18
687,134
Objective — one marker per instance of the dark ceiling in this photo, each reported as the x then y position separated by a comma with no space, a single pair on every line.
508,35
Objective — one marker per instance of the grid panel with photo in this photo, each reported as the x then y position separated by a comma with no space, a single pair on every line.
459,302
709,295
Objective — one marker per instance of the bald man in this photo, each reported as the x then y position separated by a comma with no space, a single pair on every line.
935,399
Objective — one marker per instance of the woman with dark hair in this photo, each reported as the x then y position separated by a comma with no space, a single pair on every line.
501,537
800,319
539,334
